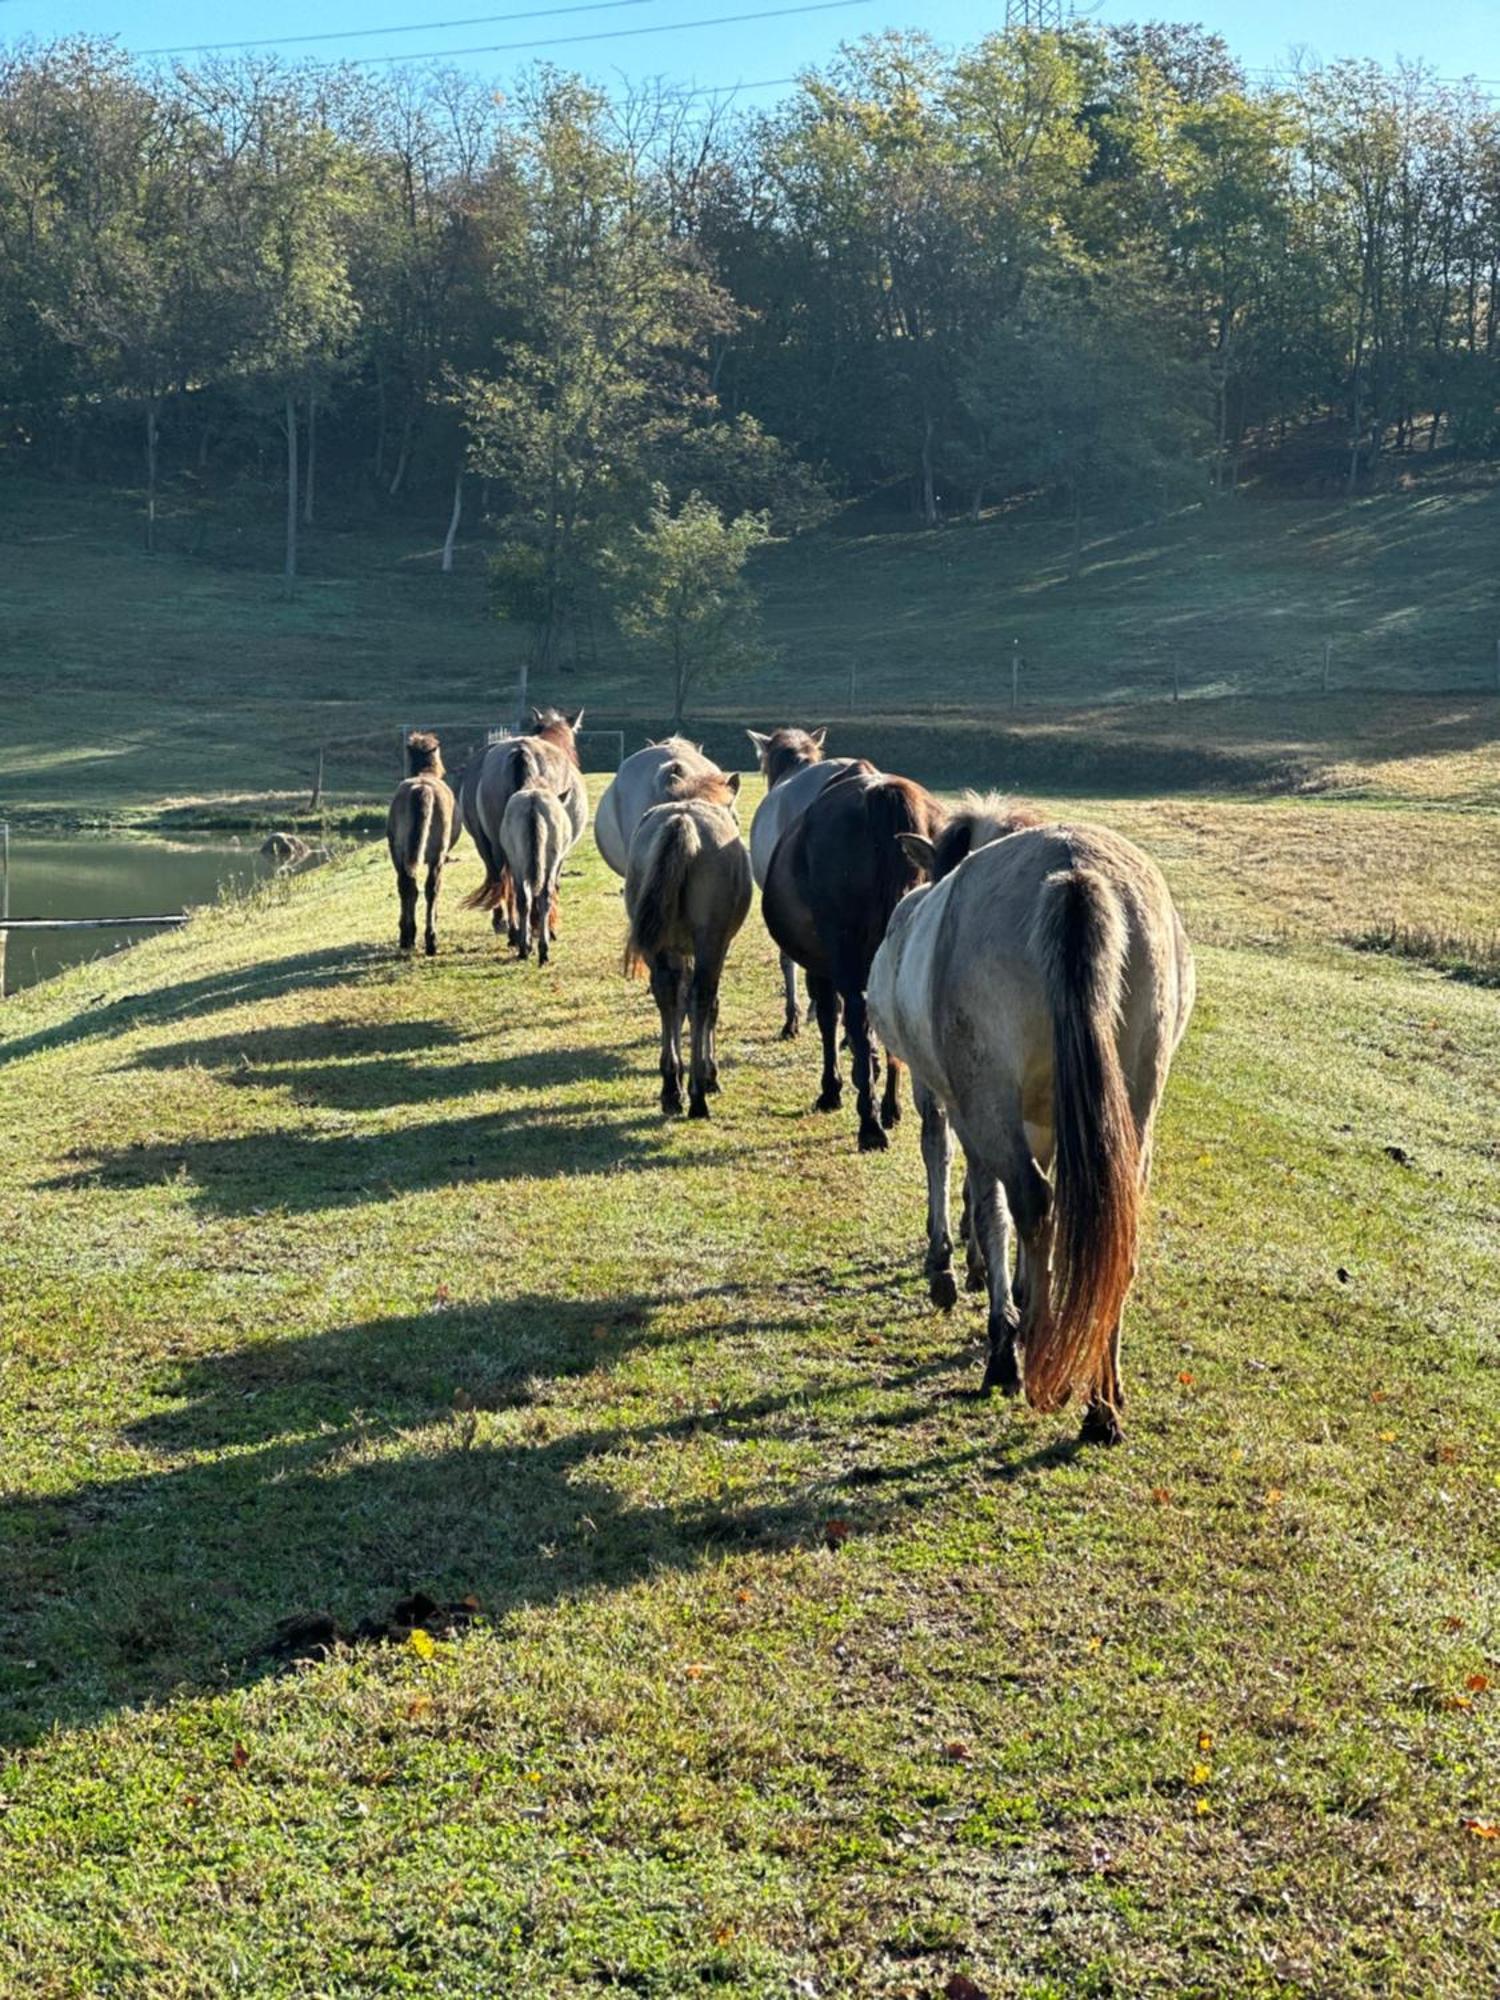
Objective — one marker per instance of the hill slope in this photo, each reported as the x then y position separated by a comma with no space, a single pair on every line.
132,682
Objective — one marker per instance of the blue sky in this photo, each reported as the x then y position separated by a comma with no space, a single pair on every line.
1459,38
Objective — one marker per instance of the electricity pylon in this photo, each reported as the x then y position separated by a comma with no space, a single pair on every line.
1038,14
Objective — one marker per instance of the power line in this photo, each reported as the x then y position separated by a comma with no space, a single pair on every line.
608,34
405,28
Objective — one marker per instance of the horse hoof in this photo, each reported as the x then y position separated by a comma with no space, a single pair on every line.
698,1108
942,1289
890,1116
830,1100
975,1281
791,1028
1101,1425
872,1139
1003,1375
711,1087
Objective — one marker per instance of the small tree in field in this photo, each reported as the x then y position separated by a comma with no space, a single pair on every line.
681,592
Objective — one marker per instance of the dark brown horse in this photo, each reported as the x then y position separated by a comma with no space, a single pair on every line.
420,829
546,755
834,879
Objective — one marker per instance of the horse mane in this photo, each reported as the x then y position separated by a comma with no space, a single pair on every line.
423,753
713,787
978,819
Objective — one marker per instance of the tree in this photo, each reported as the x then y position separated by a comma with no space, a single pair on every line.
681,592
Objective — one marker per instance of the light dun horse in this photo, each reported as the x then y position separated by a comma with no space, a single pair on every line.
795,771
647,778
548,756
687,892
420,829
835,877
1038,993
535,836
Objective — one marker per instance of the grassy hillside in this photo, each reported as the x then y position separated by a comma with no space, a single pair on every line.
797,1668
135,685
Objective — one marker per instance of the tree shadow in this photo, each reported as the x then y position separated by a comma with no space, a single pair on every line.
299,1171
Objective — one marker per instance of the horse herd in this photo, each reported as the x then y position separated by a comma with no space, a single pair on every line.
1034,977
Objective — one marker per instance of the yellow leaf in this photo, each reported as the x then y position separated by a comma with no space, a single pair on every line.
1387,1437
1201,1774
1482,1829
1274,1494
1478,1683
1205,1740
1202,1805
422,1643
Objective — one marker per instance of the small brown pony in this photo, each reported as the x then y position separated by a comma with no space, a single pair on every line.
687,892
420,829
833,881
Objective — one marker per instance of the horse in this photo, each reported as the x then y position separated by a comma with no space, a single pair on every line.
795,771
1039,992
647,778
535,836
420,830
687,892
547,754
835,877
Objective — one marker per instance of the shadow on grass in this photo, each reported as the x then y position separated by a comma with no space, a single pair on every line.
196,997
352,1466
295,1172
356,1066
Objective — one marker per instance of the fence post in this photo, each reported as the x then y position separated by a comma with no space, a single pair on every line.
317,791
1327,662
1015,673
4,897
853,684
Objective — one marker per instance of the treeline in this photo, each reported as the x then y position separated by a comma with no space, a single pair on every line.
1102,264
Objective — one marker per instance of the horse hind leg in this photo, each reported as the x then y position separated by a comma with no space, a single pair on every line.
666,990
791,1027
704,1007
1103,1417
989,1218
976,1278
406,890
890,1102
434,885
937,1157
826,1000
872,1138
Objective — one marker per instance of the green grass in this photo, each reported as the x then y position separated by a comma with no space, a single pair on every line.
328,1276
182,688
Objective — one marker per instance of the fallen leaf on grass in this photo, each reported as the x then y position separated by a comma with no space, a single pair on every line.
239,1757
1452,1624
442,1295
1201,1774
1274,1495
1483,1829
1387,1437
957,1753
696,1669
1185,1377
1380,1395
1478,1683
743,1596
1205,1741
1161,1495
836,1533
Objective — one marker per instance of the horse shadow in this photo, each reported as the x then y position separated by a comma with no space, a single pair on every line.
296,1171
265,979
359,1066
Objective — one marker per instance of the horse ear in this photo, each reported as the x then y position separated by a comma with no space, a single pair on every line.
536,718
759,741
734,784
575,720
918,849
818,736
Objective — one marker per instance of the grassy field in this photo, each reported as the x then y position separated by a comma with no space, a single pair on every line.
797,1669
184,688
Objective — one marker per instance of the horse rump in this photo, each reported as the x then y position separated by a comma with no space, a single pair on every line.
659,865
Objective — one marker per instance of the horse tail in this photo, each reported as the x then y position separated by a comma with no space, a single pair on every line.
492,891
419,827
655,902
893,806
1080,940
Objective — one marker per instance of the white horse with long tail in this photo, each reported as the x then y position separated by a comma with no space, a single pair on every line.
1038,992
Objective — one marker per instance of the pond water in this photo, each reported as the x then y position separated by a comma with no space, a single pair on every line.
82,875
